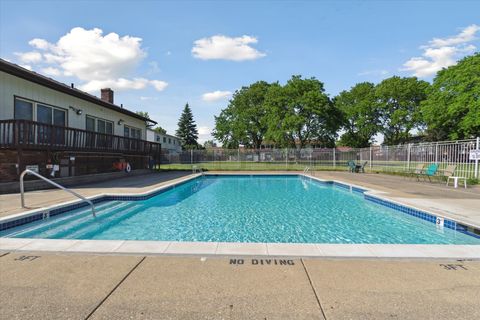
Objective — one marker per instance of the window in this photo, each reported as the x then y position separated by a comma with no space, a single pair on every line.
29,110
23,109
169,140
43,113
99,125
90,124
164,140
131,132
158,138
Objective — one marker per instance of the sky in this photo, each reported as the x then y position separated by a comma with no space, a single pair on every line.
159,55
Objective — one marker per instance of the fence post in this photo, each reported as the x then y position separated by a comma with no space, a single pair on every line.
408,157
476,161
436,152
370,160
286,158
191,156
334,160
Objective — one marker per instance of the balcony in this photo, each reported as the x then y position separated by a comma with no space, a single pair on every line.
31,135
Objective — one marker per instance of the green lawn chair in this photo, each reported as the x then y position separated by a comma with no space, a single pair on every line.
429,172
351,166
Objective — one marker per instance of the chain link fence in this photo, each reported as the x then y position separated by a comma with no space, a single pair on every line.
401,158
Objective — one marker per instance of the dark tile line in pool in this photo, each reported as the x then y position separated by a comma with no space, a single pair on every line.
422,215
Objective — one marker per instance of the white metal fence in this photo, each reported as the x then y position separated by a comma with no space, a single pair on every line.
401,158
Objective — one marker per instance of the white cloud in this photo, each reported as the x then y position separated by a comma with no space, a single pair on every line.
204,130
466,35
96,59
119,84
441,53
40,44
143,98
373,73
29,57
226,48
215,95
51,71
204,134
159,85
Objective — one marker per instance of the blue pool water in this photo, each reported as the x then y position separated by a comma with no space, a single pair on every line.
246,209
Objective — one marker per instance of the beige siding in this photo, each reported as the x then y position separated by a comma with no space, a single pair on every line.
11,86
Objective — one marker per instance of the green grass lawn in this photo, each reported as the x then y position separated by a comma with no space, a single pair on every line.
388,167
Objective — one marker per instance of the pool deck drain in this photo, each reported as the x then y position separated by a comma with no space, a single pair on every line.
40,285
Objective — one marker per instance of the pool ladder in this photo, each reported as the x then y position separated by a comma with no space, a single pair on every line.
195,169
306,170
22,190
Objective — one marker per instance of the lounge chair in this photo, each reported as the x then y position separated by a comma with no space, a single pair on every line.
351,165
429,172
417,171
449,173
361,167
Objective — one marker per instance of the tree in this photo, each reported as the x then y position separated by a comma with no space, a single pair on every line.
244,121
143,114
361,117
399,105
452,109
209,144
187,129
160,130
300,113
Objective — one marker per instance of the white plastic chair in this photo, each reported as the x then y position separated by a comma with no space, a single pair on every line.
449,173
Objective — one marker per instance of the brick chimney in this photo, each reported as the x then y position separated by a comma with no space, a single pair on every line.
107,95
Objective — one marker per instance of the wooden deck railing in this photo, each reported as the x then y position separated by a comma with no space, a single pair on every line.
26,134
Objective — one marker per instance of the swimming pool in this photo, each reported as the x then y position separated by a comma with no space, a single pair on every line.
258,208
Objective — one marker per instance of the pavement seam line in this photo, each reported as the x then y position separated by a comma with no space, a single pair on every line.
313,288
114,288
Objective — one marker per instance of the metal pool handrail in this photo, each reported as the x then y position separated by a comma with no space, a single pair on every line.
28,171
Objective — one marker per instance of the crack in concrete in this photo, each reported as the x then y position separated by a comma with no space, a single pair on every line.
115,288
314,291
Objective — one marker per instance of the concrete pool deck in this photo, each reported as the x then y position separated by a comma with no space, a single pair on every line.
72,286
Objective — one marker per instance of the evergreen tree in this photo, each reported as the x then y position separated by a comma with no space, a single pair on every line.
187,129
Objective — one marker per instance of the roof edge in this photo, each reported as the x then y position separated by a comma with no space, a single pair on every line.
50,83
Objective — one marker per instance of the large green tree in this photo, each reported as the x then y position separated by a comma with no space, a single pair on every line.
244,121
160,130
187,129
399,105
452,109
361,116
300,113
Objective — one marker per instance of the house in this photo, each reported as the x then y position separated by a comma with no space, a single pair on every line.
61,131
170,144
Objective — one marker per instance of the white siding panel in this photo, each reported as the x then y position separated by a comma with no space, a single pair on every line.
11,86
